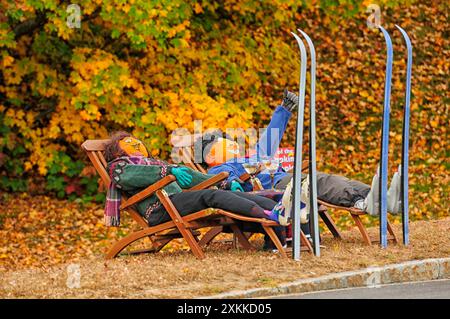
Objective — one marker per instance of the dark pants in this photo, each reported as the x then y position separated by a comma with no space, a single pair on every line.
236,202
334,189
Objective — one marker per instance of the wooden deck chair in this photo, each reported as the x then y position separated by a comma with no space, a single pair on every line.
355,214
178,227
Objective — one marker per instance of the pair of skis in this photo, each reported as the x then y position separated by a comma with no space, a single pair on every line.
314,222
385,140
384,146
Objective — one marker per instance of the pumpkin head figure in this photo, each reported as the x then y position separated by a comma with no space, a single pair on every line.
133,146
221,151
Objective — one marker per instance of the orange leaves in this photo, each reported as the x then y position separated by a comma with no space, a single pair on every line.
198,8
37,231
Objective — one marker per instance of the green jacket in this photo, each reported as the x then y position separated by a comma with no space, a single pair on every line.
133,178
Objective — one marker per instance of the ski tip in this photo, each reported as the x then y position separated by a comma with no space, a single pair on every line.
303,33
400,29
382,29
406,37
387,37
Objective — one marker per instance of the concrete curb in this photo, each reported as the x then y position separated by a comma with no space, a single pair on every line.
421,270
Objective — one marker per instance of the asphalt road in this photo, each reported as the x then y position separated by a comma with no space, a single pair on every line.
436,289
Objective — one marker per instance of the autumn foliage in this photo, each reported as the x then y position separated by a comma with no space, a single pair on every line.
152,66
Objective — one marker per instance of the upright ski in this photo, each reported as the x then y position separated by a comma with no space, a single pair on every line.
296,231
385,141
405,140
313,212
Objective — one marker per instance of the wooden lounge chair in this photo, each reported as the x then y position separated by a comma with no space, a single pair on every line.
355,214
178,227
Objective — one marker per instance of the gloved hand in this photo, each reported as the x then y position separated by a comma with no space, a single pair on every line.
182,175
236,187
290,100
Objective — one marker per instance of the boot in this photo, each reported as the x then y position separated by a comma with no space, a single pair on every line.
372,200
394,194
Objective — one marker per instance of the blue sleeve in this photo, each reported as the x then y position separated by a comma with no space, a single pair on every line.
270,140
224,168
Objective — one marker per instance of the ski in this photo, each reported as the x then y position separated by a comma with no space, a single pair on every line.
313,212
297,186
385,140
405,140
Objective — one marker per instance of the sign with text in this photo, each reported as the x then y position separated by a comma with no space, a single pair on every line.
286,157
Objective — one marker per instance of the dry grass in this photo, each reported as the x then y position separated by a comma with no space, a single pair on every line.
180,275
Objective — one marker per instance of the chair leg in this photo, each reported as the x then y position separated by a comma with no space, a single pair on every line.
180,224
391,231
241,238
210,235
330,224
275,240
157,246
305,242
124,242
362,229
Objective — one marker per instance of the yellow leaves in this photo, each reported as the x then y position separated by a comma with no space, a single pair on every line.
126,81
13,74
198,8
28,165
126,8
364,93
147,118
163,13
434,123
7,61
184,108
176,29
42,169
155,152
88,115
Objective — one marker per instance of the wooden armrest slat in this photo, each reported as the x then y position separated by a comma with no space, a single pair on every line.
148,191
210,182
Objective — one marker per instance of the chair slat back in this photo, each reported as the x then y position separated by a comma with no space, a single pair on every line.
95,151
183,146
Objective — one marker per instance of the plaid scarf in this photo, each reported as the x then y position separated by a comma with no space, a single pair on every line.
113,195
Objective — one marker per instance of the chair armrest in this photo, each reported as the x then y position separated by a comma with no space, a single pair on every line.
209,182
148,191
246,176
305,165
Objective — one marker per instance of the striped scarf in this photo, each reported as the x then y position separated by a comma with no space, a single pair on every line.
113,195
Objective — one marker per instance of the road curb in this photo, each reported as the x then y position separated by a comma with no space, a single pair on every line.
420,270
